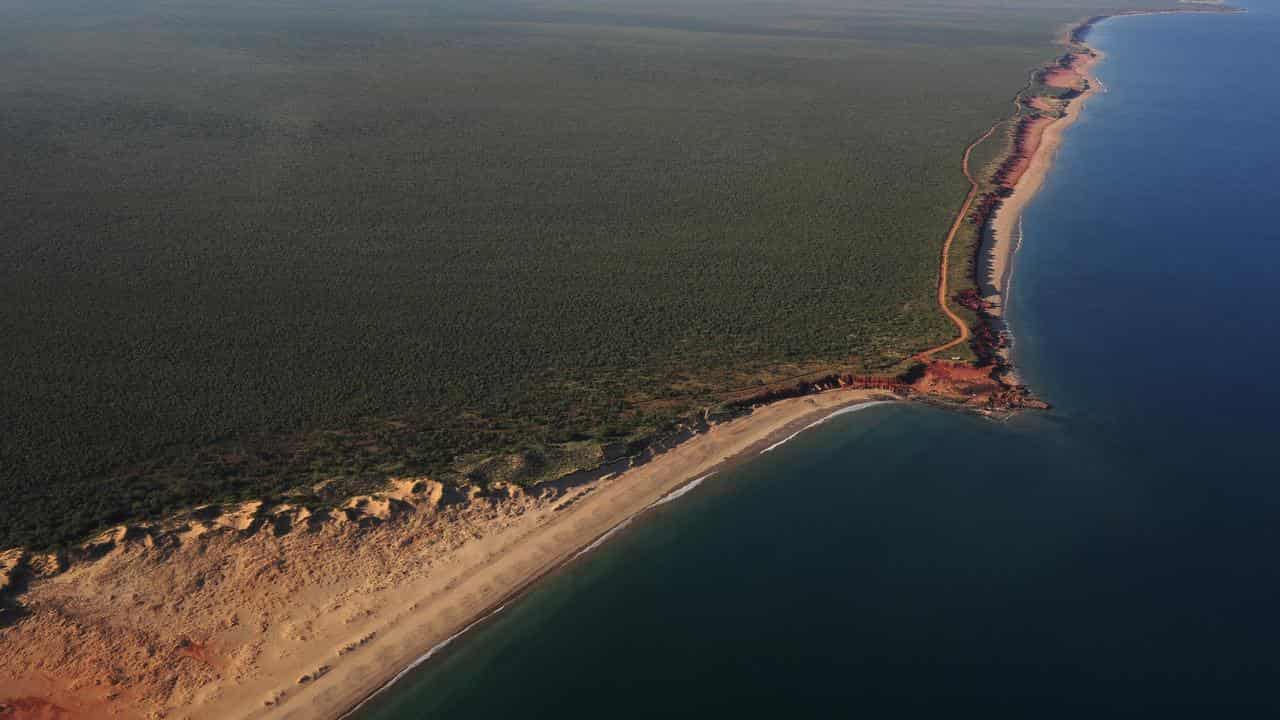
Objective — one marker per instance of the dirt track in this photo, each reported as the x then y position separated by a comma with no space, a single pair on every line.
946,248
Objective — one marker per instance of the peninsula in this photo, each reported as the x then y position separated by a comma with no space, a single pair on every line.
347,440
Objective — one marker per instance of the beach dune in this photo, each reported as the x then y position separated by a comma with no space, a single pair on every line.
282,612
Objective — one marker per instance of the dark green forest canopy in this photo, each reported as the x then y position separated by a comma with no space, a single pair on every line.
247,247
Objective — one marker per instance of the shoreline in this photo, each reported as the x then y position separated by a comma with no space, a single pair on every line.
1000,219
790,418
630,495
369,593
281,612
1005,222
1040,122
672,492
1005,227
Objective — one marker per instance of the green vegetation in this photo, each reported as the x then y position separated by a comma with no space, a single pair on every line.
983,162
249,247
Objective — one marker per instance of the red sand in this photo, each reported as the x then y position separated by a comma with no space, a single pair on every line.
1030,143
1039,102
1063,78
32,709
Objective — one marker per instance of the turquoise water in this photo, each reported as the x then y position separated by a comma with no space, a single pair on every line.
1118,556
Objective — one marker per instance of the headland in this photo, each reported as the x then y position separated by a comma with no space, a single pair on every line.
282,611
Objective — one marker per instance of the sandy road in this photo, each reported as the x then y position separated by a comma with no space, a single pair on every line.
946,248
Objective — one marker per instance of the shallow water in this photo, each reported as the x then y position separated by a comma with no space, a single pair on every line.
1116,556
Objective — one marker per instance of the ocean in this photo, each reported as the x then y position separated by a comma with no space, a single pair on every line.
1117,556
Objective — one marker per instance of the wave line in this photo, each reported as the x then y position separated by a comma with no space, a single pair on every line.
816,423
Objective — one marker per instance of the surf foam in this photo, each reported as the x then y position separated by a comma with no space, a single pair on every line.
680,491
816,423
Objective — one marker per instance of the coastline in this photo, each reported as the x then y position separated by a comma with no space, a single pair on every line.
612,504
994,204
276,613
789,417
1005,222
1179,531
1024,168
350,638
1040,121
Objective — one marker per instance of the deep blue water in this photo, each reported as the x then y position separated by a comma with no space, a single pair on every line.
1116,557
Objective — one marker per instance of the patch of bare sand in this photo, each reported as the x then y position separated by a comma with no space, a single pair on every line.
1060,77
283,612
1042,103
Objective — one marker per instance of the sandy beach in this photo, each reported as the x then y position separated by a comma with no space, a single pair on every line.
1047,138
284,613
516,559
1042,143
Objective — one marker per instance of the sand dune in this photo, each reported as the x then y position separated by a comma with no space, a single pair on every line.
285,612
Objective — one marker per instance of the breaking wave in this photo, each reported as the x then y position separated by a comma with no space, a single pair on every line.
816,423
680,491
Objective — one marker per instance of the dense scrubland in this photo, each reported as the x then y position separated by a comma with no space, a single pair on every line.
247,249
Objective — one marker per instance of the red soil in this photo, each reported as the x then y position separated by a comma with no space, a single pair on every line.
950,379
960,324
972,386
1063,78
1041,103
1026,144
199,652
32,708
